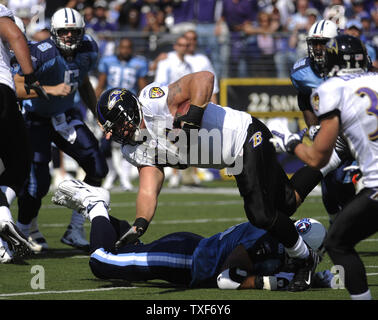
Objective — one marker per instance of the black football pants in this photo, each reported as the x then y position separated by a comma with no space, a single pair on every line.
15,149
269,198
356,222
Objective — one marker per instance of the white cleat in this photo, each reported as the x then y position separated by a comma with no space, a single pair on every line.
6,255
80,196
15,238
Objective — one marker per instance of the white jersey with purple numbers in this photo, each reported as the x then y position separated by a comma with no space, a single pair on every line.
5,55
355,98
219,142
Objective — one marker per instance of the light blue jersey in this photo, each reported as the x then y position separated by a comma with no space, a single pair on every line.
211,253
305,80
123,74
52,69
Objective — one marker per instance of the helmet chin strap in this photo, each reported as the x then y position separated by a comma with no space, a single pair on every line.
336,71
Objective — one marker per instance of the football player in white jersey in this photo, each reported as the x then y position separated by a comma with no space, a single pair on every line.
178,126
347,104
15,158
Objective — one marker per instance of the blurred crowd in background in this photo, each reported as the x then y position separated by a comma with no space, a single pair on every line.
242,38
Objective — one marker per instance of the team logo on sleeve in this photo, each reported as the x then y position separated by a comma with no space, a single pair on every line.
315,102
156,92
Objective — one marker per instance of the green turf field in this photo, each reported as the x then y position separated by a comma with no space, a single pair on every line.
67,274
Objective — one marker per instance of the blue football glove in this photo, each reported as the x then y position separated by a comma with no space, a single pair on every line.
287,142
322,279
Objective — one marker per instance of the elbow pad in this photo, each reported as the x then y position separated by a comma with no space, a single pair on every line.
231,278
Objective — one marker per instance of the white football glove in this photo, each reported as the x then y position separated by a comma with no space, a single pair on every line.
313,131
287,141
80,196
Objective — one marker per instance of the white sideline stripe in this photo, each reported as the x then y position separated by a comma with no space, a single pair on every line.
162,203
65,291
168,204
60,225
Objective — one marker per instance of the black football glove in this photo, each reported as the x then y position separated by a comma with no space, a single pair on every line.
191,120
139,227
342,149
31,82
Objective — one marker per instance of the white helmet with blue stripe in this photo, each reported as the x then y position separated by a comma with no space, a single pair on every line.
67,29
312,232
319,34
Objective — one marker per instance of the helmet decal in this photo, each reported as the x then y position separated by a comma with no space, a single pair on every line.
114,97
312,232
303,226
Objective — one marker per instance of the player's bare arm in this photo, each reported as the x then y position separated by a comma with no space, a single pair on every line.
195,89
13,35
310,118
61,89
318,154
150,182
88,95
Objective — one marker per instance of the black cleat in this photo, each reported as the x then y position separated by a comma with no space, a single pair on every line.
16,240
305,269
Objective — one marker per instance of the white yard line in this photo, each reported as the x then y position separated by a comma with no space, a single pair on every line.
32,293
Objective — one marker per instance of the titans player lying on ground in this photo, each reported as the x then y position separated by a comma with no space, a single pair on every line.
64,61
241,257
